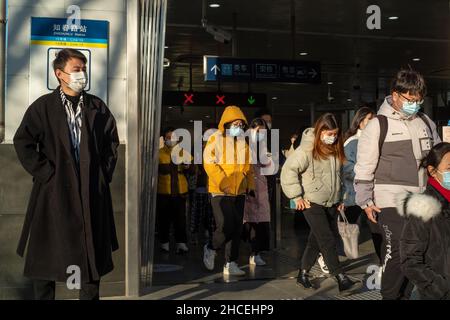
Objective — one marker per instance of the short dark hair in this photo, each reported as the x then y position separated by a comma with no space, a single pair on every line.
408,80
166,130
258,122
65,55
436,155
263,112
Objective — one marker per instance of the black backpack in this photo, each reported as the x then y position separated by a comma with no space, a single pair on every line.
384,128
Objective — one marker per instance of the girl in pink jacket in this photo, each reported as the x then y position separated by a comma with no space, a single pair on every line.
257,209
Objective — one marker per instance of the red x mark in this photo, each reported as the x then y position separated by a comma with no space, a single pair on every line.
189,98
220,99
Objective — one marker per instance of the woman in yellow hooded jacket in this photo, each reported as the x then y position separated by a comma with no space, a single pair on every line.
172,192
227,162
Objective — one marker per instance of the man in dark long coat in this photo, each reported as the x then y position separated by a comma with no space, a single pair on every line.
68,142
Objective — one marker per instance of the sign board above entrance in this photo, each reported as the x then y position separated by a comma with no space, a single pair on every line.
256,70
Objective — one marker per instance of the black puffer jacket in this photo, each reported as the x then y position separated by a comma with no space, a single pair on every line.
425,243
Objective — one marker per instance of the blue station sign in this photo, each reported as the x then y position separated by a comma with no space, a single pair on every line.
260,70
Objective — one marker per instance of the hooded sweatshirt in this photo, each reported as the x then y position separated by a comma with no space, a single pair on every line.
227,159
303,177
382,180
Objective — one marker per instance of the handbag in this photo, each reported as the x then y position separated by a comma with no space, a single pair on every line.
349,233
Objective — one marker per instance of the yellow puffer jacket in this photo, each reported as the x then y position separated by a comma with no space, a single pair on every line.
227,160
164,180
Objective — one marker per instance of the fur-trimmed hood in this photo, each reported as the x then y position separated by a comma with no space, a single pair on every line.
419,205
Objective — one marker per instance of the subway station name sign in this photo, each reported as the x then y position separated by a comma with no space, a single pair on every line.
208,99
260,70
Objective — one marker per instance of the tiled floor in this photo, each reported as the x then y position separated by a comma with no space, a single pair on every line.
185,277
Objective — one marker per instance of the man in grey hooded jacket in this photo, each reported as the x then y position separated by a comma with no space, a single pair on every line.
383,174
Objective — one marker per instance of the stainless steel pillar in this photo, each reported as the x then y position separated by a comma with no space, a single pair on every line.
152,36
132,165
146,23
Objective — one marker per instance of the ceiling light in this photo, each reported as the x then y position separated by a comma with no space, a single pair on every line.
393,18
274,98
301,110
303,53
416,59
349,100
214,5
166,47
330,83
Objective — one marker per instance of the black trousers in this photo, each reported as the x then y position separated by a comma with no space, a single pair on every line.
171,210
322,238
45,290
354,213
201,213
258,234
394,284
228,214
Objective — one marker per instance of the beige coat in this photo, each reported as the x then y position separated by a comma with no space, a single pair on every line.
318,181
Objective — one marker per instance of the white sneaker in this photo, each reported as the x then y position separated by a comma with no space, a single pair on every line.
322,264
232,269
165,247
208,257
182,248
257,261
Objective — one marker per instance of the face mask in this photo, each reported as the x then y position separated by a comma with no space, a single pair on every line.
410,109
170,143
261,136
78,81
258,136
235,131
445,179
329,139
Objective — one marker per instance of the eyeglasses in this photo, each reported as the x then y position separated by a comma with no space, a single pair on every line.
238,124
409,101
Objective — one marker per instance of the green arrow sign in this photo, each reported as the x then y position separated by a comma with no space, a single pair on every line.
251,100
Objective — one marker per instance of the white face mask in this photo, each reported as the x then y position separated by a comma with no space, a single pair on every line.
170,143
258,135
261,136
329,139
78,81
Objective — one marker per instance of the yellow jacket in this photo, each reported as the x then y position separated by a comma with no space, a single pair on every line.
164,179
227,160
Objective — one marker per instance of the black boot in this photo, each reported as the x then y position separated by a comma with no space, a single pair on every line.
346,285
303,280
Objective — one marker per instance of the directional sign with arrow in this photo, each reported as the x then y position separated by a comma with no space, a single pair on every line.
313,73
251,100
214,69
257,70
